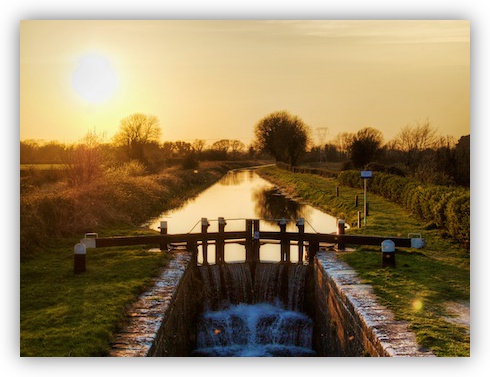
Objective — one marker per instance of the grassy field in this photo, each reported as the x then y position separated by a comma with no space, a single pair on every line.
67,314
424,282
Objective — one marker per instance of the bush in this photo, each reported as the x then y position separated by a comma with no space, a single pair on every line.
448,208
123,197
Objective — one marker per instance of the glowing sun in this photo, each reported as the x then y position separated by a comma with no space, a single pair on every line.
94,78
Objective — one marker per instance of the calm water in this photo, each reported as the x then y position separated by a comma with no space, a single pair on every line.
241,195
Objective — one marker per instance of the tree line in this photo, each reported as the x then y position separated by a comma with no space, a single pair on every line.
417,150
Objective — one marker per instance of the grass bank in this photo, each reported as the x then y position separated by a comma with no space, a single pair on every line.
424,282
63,314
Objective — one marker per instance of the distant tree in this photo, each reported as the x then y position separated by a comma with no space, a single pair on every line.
220,149
284,136
413,140
365,146
182,148
198,145
438,164
88,160
221,145
462,152
236,147
342,142
136,131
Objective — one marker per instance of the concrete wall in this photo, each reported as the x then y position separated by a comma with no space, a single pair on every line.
348,319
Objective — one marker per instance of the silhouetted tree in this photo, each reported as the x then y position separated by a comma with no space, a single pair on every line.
136,131
283,135
462,152
88,160
365,146
412,140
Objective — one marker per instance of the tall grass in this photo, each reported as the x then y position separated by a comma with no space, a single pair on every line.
123,196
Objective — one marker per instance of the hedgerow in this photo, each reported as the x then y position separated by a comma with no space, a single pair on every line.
444,207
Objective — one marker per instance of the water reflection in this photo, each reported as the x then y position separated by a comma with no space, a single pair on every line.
271,205
234,178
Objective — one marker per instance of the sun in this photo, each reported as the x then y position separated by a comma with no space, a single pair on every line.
94,79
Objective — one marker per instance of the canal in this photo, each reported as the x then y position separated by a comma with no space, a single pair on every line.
240,195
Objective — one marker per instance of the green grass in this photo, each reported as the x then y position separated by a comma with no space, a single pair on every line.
423,280
68,314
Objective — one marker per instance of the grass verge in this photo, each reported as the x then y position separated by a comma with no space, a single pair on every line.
423,281
67,314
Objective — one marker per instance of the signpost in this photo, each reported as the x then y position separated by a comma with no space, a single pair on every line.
366,174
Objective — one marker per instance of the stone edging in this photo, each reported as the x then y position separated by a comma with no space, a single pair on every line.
388,336
148,313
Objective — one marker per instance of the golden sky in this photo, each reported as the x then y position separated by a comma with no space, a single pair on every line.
215,79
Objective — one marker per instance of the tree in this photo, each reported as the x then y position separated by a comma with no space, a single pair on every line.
343,142
462,152
136,131
283,135
413,140
236,147
365,146
198,145
88,160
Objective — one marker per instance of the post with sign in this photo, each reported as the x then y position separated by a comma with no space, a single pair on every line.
365,175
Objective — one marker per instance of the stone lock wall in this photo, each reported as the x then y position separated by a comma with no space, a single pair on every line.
162,321
348,319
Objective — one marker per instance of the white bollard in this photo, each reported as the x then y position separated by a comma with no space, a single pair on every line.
79,258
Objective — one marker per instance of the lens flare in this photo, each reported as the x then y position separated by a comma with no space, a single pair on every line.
417,304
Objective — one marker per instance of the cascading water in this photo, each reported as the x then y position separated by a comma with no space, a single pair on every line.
254,330
254,311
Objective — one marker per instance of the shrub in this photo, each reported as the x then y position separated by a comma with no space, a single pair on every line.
448,208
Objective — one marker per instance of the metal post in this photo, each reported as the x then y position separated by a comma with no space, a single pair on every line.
163,230
220,243
301,231
365,201
204,231
337,191
340,231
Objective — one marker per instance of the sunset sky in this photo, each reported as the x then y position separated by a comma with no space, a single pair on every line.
215,79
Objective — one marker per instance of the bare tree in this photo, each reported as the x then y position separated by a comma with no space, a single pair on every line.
198,145
87,161
221,145
135,132
412,140
343,142
236,146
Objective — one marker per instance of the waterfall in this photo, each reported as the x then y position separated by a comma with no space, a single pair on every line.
254,310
